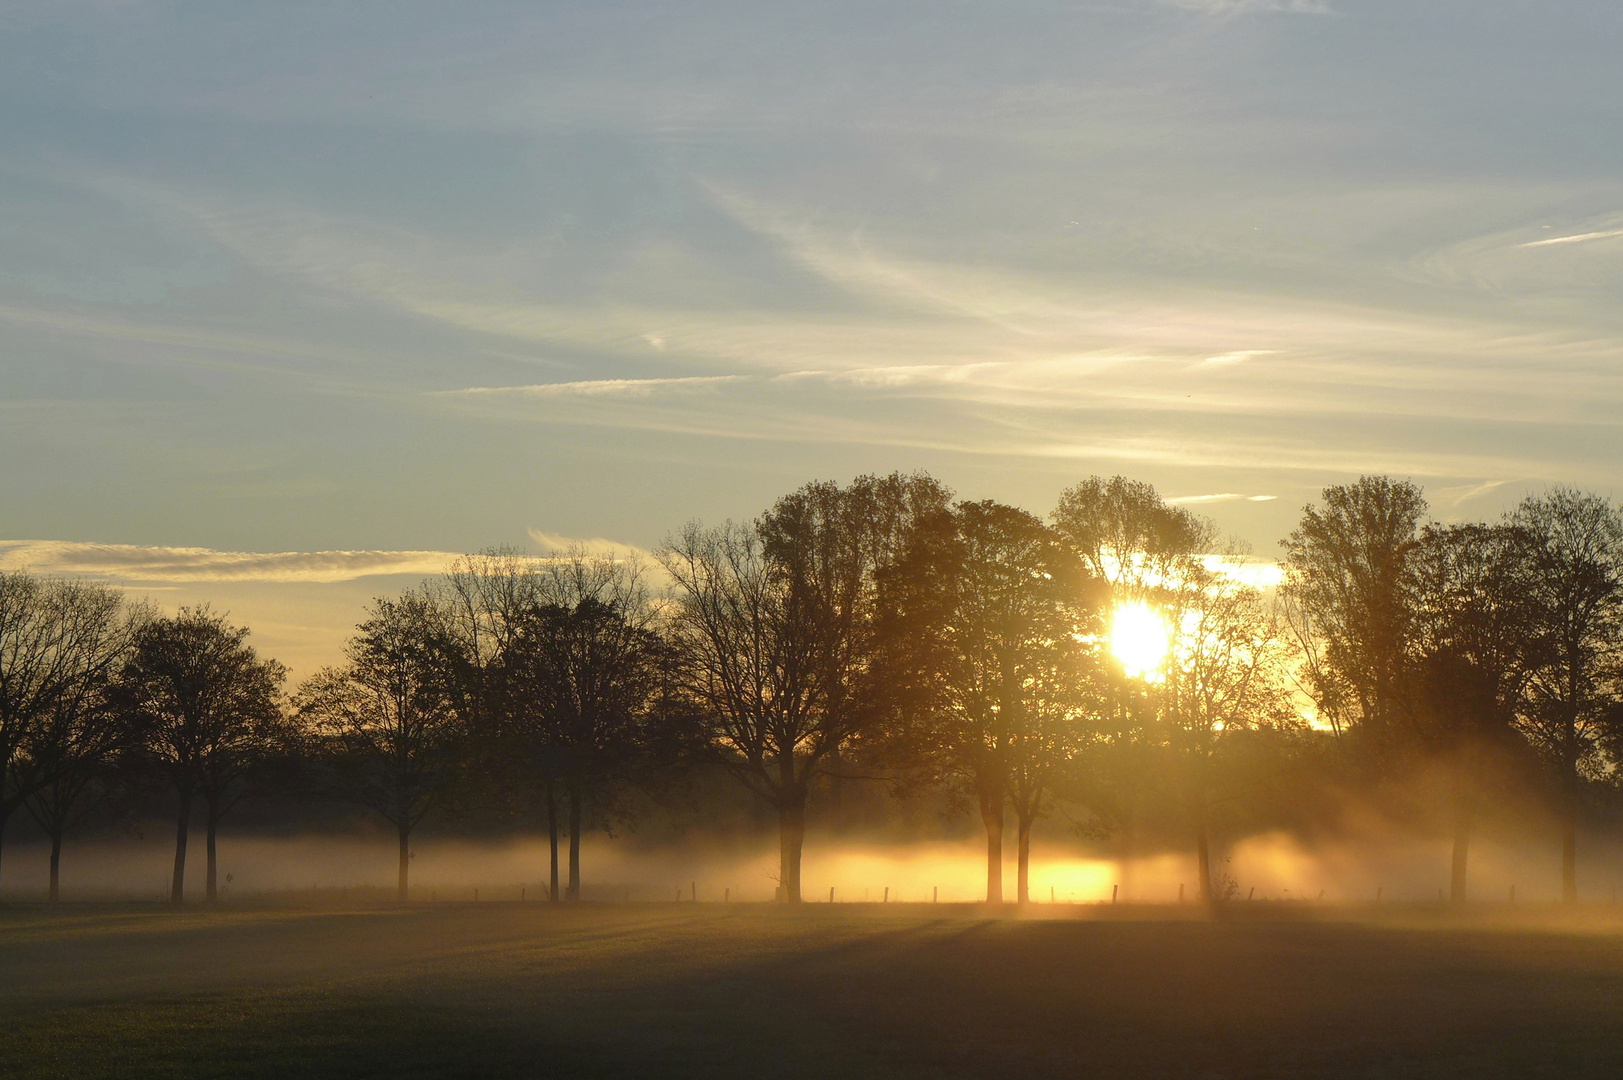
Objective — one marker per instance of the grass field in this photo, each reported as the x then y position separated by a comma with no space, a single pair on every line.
830,991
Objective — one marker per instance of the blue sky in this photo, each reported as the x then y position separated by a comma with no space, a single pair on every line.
411,278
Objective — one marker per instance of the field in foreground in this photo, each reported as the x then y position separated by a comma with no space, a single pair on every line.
831,991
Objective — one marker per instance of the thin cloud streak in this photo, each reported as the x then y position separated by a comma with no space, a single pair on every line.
553,544
134,563
997,333
596,387
1229,8
1574,239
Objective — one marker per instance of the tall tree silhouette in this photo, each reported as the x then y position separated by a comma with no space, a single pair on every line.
774,629
1574,549
1225,680
204,708
59,643
485,600
1473,645
584,669
75,750
390,713
1347,586
987,612
1147,552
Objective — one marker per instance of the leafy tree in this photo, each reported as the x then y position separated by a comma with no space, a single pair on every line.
1143,550
204,709
59,642
987,612
1224,680
390,713
773,626
1472,649
1347,584
1574,552
1128,535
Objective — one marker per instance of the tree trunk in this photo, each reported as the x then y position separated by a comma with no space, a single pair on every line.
177,887
1128,847
574,839
1203,856
212,883
791,838
405,862
1022,887
552,833
5,816
1569,787
56,865
1464,819
1569,842
992,818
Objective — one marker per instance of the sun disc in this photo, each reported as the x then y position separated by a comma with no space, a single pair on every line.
1139,639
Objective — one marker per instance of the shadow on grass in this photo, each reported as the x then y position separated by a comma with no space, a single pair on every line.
835,995
676,1006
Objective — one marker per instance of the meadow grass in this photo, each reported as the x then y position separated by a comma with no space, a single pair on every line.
828,991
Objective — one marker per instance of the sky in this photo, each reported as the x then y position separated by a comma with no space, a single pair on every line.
298,299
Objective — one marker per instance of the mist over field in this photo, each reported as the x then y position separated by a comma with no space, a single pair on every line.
1270,867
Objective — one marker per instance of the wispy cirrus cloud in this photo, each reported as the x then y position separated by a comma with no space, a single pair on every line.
979,356
1576,238
596,387
1225,496
558,543
1238,356
141,564
1246,7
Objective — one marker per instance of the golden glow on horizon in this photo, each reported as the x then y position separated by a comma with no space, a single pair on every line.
1140,639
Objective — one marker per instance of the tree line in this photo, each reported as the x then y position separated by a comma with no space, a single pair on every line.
1114,660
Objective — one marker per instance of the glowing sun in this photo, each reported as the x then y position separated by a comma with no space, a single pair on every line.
1139,638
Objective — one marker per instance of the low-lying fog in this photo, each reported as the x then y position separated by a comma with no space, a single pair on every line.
1263,867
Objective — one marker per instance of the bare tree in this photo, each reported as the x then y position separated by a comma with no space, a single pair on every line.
203,705
74,752
390,714
59,642
581,673
773,626
1574,552
745,661
485,600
